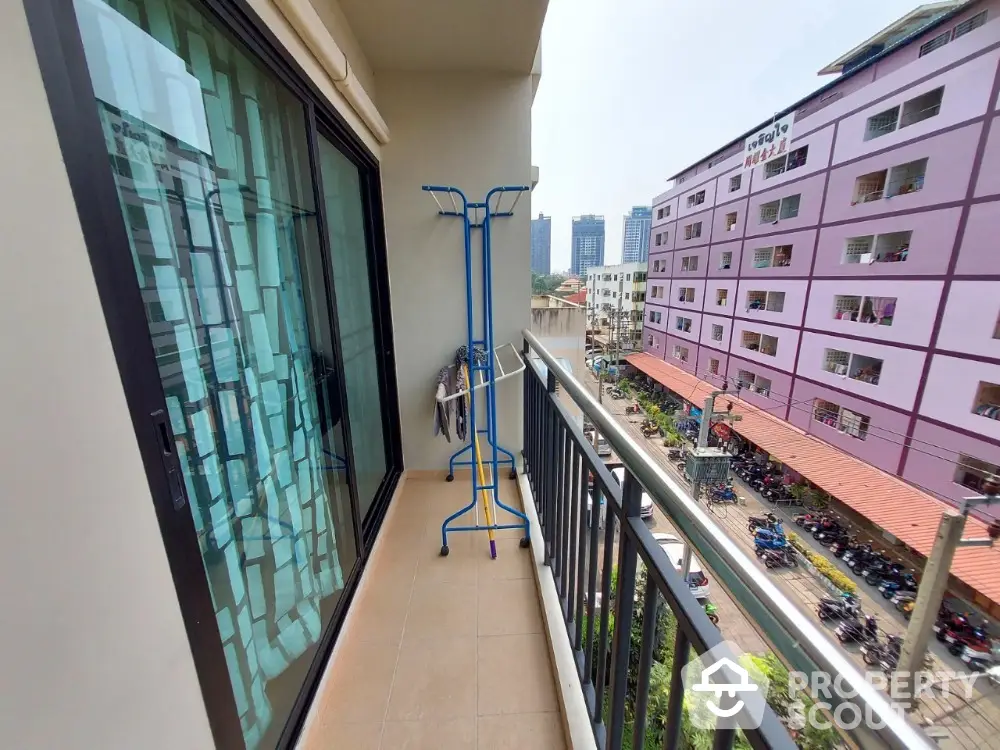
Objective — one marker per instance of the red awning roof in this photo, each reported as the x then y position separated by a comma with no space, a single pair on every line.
899,508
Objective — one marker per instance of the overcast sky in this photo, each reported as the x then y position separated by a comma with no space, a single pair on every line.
633,91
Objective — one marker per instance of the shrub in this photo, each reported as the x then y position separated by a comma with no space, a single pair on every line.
823,566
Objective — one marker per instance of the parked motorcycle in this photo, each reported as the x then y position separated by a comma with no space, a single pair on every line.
762,522
890,587
880,572
845,606
853,631
979,660
842,546
975,638
784,557
633,408
723,495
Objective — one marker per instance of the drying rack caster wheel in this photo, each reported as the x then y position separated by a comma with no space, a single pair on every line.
444,550
524,543
513,474
449,478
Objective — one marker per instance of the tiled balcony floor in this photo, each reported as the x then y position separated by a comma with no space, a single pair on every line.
442,653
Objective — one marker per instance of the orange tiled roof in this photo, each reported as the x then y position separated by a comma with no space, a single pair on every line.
899,508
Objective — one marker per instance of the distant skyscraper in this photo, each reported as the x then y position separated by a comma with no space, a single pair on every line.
541,244
588,243
635,237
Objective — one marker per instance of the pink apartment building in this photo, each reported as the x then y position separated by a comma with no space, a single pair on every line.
852,287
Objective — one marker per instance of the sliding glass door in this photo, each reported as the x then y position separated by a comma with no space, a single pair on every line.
254,269
345,228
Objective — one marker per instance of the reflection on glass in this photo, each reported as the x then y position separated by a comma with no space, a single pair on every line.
346,230
209,155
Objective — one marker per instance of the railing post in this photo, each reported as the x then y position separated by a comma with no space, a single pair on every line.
625,604
526,415
649,609
550,460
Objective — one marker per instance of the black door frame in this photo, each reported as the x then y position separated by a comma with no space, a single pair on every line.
62,62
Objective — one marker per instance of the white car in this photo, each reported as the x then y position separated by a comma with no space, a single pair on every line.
674,547
603,447
645,503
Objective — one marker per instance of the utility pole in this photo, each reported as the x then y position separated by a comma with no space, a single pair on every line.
618,327
934,583
710,464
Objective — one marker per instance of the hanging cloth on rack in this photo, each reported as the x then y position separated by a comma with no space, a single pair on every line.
461,405
442,411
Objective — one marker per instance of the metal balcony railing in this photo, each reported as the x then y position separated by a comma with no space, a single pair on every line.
558,460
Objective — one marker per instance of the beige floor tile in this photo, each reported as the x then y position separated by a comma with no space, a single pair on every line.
509,607
337,735
361,679
380,610
521,732
452,734
435,679
515,675
442,609
511,561
458,567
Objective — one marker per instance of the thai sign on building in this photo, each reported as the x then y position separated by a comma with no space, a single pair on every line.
768,143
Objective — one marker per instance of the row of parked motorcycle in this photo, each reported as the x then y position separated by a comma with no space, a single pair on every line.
770,543
765,479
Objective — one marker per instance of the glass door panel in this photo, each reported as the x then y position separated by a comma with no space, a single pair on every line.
209,155
345,228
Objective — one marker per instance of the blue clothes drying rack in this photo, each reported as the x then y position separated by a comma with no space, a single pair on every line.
479,216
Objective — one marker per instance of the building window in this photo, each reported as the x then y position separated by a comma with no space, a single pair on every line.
659,213
713,366
683,324
716,332
730,221
686,294
841,419
681,353
735,182
973,473
628,277
769,301
906,178
649,341
767,257
854,366
696,199
786,208
666,210
626,295
692,231
726,261
750,381
722,297
656,266
892,247
921,107
939,41
882,123
659,239
871,310
655,316
689,263
987,401
762,343
966,26
788,162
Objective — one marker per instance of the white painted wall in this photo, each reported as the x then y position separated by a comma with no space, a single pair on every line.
472,131
93,652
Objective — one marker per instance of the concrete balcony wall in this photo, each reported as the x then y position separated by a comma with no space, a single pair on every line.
791,313
699,294
949,165
934,459
668,236
695,317
719,231
966,95
658,346
711,297
685,211
715,259
707,322
781,385
810,191
950,394
660,307
705,357
803,244
690,345
788,342
820,143
667,217
977,254
883,445
92,642
989,173
901,368
913,322
970,319
678,256
930,245
488,142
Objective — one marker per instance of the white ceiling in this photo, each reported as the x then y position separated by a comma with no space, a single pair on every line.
493,35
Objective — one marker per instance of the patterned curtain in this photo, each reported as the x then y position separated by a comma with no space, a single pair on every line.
222,229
